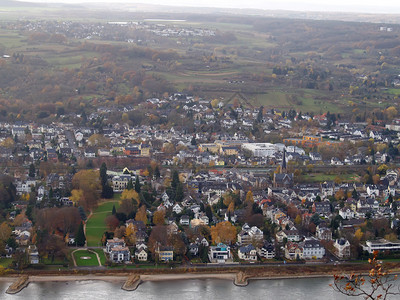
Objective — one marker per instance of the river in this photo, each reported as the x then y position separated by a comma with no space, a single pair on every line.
309,289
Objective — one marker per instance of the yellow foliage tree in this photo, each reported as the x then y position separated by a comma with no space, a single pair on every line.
5,232
76,196
359,234
130,234
130,194
141,215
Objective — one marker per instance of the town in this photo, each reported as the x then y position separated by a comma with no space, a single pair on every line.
268,186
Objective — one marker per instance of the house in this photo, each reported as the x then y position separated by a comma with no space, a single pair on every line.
115,242
312,249
324,233
342,248
120,254
249,235
267,250
247,253
90,152
291,235
194,249
177,209
346,213
293,251
321,208
165,253
141,254
33,254
185,220
219,254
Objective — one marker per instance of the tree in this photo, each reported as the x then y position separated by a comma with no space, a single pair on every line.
223,232
249,198
131,195
137,185
159,217
89,182
80,236
114,211
141,215
129,185
5,232
32,171
112,222
130,234
378,284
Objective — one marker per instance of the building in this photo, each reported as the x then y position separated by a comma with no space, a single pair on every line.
249,235
312,249
120,254
381,245
141,254
115,242
219,254
260,149
267,250
165,253
247,253
342,248
120,182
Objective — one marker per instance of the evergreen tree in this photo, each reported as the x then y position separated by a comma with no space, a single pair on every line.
179,193
193,142
114,211
157,172
175,180
80,236
129,185
32,170
82,213
354,194
137,185
103,174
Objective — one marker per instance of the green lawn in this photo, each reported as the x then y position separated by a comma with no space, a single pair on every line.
95,225
5,262
101,254
85,262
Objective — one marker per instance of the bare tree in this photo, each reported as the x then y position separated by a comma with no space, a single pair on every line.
378,284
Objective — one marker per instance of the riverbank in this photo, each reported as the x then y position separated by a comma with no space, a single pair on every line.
240,276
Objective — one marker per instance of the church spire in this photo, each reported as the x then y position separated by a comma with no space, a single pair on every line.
283,166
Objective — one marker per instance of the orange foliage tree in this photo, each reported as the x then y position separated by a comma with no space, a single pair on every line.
223,232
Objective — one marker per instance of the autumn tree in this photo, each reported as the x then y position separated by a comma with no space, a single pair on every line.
223,232
89,182
130,234
159,217
5,232
112,222
249,198
141,215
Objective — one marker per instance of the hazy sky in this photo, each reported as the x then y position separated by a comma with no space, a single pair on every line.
372,6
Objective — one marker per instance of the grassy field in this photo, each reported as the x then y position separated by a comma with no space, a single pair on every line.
86,262
316,177
101,254
96,226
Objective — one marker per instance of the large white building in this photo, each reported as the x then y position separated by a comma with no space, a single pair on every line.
381,245
260,149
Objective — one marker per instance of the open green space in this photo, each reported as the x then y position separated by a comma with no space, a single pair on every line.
317,177
101,254
95,226
80,256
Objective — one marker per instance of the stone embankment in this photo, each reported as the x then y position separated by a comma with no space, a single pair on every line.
132,283
18,285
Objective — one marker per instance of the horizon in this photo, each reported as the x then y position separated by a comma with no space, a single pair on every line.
341,6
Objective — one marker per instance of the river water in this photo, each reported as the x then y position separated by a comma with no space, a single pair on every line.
309,289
